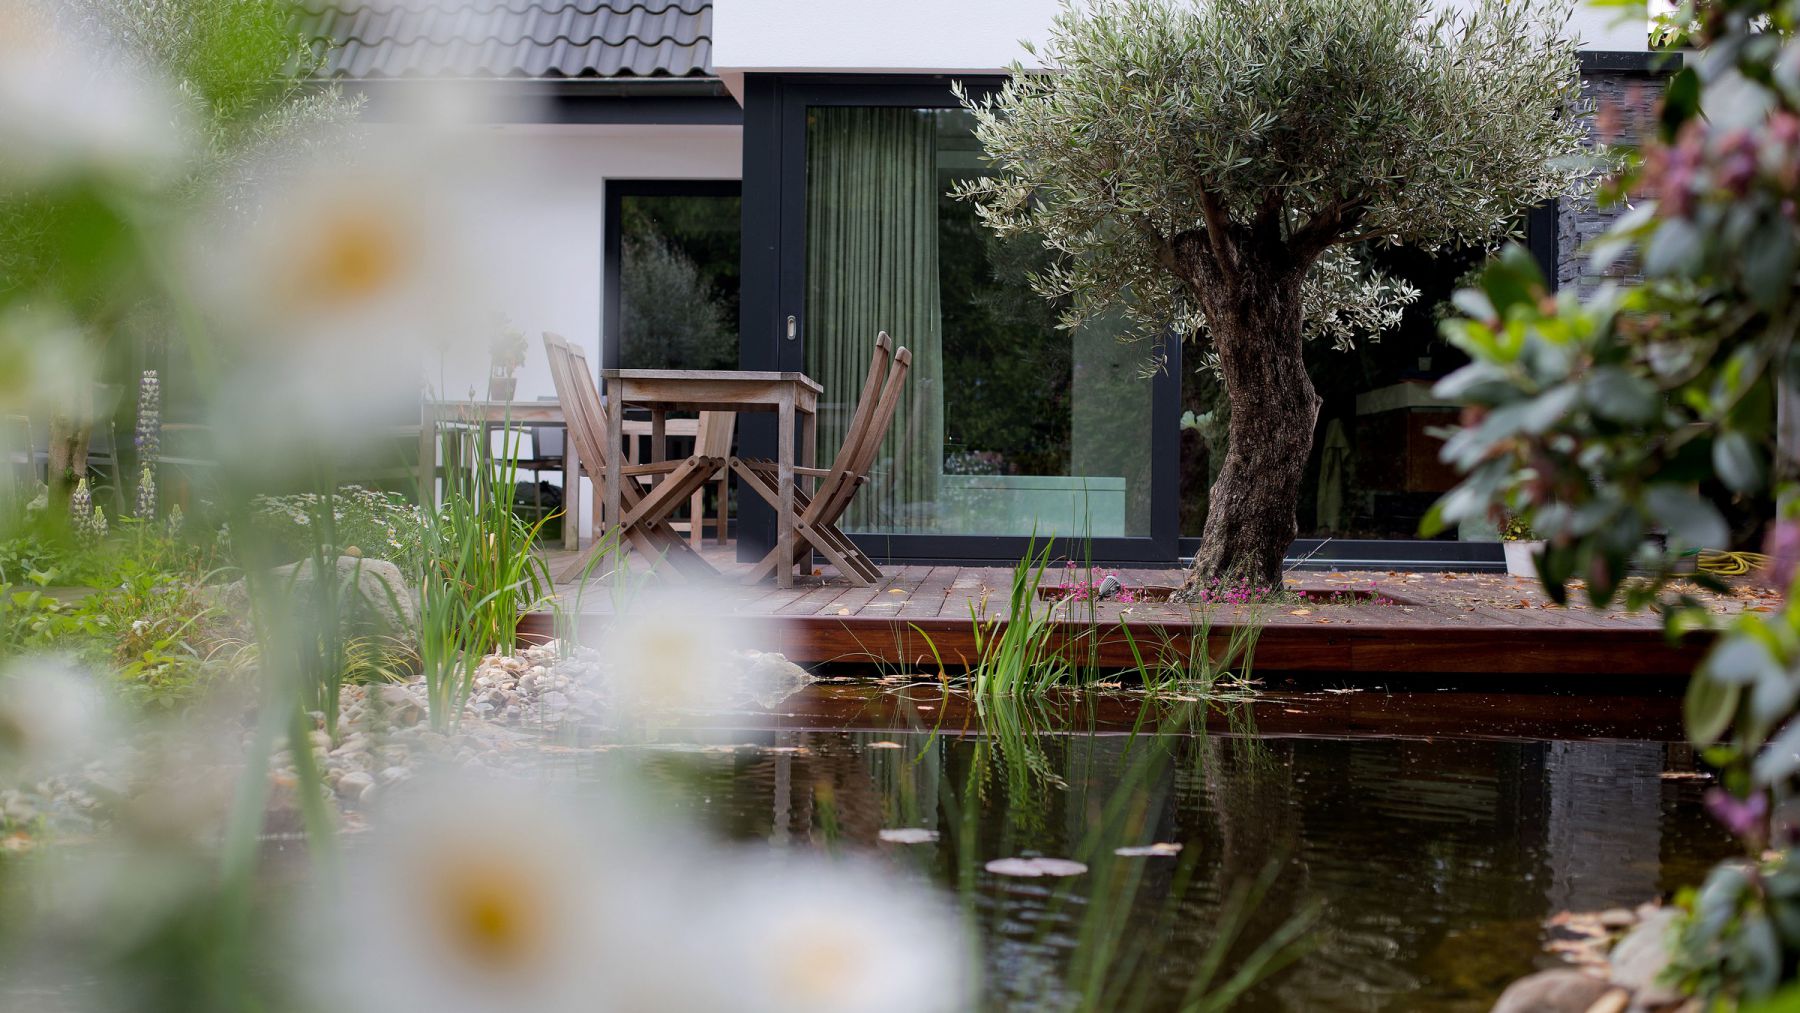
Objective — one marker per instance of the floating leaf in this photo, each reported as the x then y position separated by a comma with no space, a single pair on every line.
1032,868
909,835
1157,850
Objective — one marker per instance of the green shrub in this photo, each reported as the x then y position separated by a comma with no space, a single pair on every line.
377,524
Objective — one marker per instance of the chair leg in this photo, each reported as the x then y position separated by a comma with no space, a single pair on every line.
722,516
697,519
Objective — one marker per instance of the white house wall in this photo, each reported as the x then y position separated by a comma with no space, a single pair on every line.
540,231
967,36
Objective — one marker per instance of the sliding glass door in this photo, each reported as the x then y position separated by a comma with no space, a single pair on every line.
1011,426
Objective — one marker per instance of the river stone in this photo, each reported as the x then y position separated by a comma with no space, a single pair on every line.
355,784
373,598
1640,958
1559,991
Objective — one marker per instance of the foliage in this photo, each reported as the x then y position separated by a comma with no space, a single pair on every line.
1206,169
1516,529
1608,421
1317,123
1638,383
375,523
666,296
151,620
480,573
507,351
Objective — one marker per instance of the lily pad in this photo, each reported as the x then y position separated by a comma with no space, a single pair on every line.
1158,850
909,835
1031,868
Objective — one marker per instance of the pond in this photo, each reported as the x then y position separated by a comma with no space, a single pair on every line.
1432,833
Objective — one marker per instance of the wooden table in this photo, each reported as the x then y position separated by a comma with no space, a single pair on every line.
485,414
794,397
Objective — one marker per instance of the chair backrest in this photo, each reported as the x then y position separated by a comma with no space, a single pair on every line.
713,438
862,445
580,397
865,401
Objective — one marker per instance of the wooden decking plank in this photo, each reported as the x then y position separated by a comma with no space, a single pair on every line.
815,598
928,599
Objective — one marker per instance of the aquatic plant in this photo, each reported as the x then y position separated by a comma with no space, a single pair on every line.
1020,651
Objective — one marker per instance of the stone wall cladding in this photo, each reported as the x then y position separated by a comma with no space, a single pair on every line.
1623,113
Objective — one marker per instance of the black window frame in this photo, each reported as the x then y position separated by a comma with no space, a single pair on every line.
774,288
616,190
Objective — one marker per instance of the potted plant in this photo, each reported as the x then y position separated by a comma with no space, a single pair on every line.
506,354
1522,546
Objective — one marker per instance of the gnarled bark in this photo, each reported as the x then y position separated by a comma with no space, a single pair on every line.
1253,312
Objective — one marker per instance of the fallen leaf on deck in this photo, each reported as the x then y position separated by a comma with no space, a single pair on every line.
843,612
896,590
1159,849
1301,612
1031,868
909,835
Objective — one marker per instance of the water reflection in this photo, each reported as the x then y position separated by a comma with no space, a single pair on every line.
1432,861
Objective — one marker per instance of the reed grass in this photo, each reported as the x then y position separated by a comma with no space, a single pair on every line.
1031,649
481,572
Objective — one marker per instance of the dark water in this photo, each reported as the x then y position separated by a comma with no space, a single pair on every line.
1434,848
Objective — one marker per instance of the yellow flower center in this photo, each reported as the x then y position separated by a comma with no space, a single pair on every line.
494,919
356,254
821,967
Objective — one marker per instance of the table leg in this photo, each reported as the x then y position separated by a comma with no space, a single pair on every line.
571,480
615,423
659,439
784,479
809,447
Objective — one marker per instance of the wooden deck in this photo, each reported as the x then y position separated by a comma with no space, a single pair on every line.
1437,623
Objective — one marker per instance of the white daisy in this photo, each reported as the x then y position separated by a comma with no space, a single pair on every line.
832,937
478,896
52,716
677,649
70,107
338,287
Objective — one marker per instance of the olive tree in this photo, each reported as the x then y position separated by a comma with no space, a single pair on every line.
1210,168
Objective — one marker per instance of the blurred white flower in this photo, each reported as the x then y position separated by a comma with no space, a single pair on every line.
482,896
676,649
47,364
335,291
71,103
833,937
52,716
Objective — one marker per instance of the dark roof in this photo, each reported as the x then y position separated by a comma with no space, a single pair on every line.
513,38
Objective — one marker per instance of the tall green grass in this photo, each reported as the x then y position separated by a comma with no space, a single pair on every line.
1035,647
481,569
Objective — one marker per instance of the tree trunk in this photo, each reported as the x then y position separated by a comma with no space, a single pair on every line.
68,453
1256,328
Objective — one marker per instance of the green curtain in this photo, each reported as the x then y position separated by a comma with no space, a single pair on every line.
872,266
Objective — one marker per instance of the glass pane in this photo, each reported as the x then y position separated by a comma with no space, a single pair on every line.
1009,425
678,282
1374,469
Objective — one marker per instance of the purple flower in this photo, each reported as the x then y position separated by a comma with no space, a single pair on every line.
1745,818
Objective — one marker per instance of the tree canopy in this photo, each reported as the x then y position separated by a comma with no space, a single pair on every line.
1316,123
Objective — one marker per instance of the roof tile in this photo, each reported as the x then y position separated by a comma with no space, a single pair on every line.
512,38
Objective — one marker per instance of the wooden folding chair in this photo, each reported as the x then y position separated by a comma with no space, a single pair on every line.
713,440
820,510
712,433
644,525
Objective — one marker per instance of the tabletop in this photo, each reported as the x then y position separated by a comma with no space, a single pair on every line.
714,375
